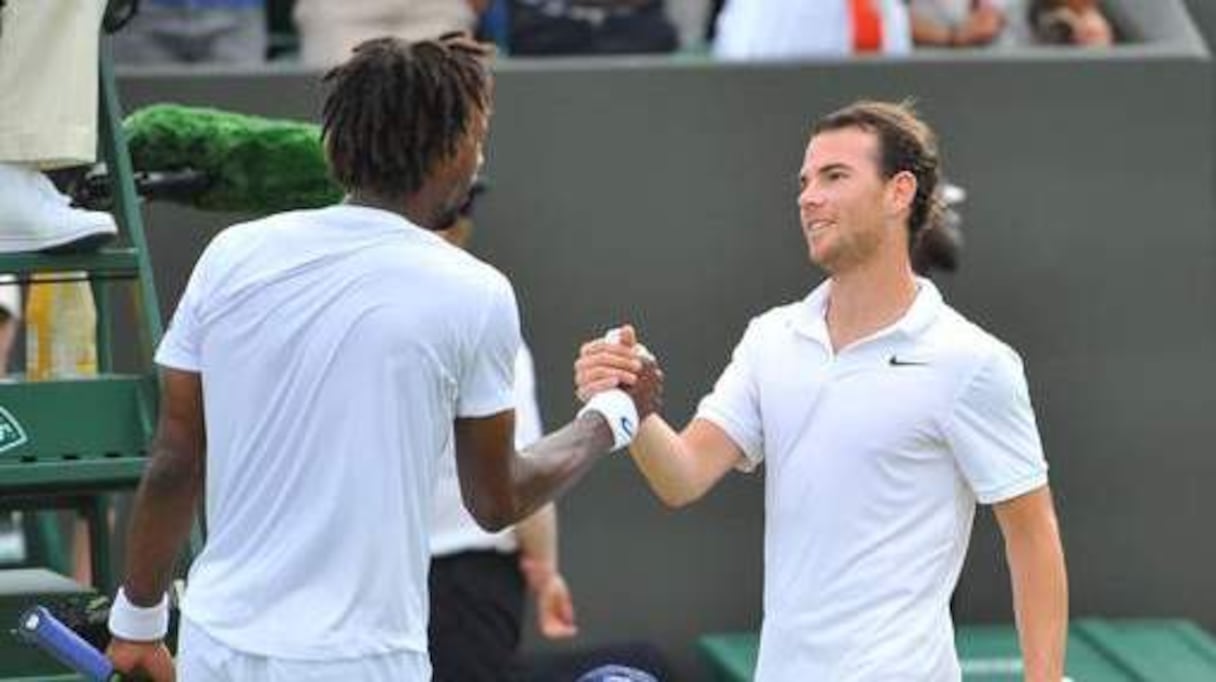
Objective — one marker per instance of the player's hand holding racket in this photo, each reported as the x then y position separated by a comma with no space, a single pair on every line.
142,660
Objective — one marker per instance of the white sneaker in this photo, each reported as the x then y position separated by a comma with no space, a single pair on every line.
34,216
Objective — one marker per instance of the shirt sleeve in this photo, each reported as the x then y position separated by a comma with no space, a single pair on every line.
992,432
487,383
528,428
180,348
734,403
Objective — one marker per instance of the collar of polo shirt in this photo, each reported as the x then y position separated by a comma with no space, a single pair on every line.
810,319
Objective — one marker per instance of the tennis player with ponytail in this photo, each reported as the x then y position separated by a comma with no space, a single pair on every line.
883,416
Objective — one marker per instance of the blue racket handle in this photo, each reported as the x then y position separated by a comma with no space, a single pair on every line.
38,626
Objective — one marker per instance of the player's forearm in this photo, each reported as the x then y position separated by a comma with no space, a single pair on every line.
1040,590
160,522
554,463
667,463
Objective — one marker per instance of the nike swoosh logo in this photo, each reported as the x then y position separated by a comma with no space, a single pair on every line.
627,426
896,362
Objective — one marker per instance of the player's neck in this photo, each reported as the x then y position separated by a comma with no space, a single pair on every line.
415,208
867,298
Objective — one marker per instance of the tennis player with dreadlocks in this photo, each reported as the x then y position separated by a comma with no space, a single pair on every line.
315,368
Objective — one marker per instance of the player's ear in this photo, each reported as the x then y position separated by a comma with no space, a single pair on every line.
901,192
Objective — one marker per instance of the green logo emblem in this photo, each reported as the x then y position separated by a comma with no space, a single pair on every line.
11,433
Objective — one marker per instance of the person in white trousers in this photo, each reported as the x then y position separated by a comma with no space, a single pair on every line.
48,120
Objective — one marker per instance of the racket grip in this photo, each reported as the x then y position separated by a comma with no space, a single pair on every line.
38,626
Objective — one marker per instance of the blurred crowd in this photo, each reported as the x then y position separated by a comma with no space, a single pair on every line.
321,33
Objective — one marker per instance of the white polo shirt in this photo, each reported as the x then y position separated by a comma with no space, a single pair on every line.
453,529
336,346
875,457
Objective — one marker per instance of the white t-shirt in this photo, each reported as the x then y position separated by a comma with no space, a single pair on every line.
452,527
875,457
799,29
336,347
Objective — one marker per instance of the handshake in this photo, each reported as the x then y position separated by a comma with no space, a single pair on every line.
619,378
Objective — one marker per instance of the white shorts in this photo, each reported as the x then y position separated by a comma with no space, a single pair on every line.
201,658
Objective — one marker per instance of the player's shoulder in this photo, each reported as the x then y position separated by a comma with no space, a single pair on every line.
769,333
467,283
778,319
476,272
242,236
228,247
968,346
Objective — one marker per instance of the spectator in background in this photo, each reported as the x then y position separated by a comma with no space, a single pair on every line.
329,30
978,23
1070,22
194,32
691,19
792,29
589,27
965,23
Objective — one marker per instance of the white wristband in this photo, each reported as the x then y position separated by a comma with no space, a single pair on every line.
618,410
138,623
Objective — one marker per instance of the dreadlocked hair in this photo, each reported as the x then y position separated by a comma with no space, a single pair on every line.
396,109
906,143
